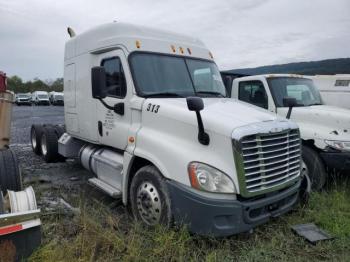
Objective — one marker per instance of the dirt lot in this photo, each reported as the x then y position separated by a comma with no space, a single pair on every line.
82,224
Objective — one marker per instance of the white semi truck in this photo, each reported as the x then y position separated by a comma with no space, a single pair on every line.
171,145
325,130
334,89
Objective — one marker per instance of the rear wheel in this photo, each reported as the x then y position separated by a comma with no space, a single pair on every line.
150,201
49,145
10,176
35,138
315,168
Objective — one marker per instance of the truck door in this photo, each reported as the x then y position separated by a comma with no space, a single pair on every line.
113,127
253,92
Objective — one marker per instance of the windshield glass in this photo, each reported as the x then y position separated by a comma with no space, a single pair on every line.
302,89
59,97
22,96
156,74
42,96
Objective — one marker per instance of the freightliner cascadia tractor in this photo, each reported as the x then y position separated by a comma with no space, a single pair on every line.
146,112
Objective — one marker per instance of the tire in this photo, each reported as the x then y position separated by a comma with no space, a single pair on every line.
49,145
315,168
305,186
35,138
10,175
149,197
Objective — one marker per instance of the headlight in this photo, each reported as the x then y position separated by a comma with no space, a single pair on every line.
207,178
340,145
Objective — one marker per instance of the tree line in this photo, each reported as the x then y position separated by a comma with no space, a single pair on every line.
17,85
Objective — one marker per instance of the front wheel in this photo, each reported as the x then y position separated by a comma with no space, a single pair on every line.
149,197
315,168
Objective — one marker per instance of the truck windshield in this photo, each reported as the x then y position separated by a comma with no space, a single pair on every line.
42,96
171,76
302,89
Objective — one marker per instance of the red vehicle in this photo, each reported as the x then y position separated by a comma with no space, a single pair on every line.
20,225
2,81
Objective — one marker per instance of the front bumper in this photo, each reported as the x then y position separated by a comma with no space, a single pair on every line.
224,217
337,160
43,102
58,103
23,102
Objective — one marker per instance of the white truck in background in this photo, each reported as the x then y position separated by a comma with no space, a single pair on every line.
171,145
334,89
40,98
325,130
56,98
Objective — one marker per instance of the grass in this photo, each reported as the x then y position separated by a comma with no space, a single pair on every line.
98,234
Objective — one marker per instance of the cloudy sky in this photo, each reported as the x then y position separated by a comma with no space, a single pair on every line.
240,33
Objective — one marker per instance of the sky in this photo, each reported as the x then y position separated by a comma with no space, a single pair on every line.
239,33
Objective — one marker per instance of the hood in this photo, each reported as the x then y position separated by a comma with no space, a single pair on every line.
327,122
220,115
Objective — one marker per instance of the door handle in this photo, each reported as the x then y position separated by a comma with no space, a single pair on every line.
100,130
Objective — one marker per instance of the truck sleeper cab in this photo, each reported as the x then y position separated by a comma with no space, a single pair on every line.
146,111
325,130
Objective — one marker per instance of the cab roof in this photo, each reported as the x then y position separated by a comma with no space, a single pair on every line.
271,76
110,36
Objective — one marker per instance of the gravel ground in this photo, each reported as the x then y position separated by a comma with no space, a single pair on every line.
54,181
24,116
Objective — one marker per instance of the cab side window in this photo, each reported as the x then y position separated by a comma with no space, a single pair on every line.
253,92
115,78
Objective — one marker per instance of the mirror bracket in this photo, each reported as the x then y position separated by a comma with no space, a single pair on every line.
196,104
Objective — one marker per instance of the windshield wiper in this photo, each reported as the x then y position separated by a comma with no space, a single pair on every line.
210,93
165,94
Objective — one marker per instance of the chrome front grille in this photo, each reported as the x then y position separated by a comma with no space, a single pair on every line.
271,159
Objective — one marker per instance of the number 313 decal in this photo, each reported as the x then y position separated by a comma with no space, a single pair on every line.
153,108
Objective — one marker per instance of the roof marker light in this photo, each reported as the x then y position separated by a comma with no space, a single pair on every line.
181,50
138,44
173,48
189,51
211,55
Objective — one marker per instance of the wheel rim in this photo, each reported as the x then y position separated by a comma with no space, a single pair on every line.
43,145
149,203
305,175
304,169
33,138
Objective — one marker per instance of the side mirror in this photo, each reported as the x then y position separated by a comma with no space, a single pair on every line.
289,102
98,82
196,104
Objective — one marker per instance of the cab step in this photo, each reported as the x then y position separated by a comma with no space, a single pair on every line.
111,191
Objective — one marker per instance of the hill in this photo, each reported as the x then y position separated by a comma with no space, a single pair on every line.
323,67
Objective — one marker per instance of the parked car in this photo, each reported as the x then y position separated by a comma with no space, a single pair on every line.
23,99
325,130
56,98
334,89
40,98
